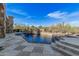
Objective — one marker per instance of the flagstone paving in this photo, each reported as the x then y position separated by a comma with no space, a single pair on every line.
16,46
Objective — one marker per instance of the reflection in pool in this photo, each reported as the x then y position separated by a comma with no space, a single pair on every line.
37,39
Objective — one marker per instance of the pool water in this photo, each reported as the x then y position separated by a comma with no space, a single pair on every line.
37,39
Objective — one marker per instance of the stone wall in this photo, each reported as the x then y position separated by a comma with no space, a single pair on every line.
9,24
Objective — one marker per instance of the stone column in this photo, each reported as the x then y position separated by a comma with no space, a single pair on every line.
2,20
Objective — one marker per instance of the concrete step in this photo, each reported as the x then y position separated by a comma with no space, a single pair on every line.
70,44
63,51
68,48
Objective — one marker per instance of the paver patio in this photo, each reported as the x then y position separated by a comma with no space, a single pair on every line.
17,46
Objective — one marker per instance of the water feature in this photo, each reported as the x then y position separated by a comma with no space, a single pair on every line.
37,39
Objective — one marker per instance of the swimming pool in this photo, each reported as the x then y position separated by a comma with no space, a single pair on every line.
37,39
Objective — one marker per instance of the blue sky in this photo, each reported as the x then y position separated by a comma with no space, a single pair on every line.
45,14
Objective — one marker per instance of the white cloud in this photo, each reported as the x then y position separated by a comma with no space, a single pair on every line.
20,20
57,14
71,18
18,12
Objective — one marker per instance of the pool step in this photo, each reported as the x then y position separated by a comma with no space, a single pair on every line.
66,49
